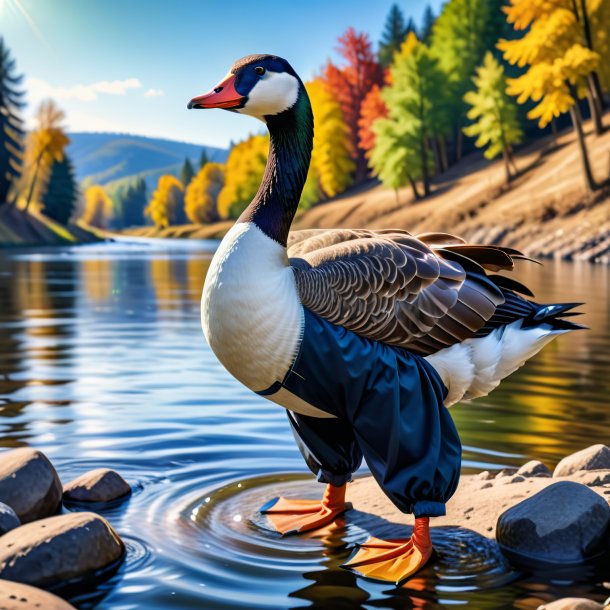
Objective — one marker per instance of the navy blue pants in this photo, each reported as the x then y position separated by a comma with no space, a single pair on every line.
388,405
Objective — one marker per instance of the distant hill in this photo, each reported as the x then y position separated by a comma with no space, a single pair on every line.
113,159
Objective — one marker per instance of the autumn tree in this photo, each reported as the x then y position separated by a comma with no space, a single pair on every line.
331,169
494,112
373,108
187,173
167,204
98,207
558,68
463,32
349,83
61,192
395,31
200,201
416,107
11,125
133,202
243,174
45,145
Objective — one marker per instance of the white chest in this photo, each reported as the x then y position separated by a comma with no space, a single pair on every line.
250,310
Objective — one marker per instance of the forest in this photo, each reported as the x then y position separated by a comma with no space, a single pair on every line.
482,74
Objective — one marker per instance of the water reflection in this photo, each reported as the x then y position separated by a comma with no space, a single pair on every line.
102,363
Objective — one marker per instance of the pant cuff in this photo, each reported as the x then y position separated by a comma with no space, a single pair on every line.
427,508
336,480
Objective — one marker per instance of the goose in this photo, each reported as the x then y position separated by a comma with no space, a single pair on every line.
365,337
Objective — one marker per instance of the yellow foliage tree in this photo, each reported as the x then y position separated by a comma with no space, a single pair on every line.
332,166
98,207
167,204
45,145
200,201
559,66
243,174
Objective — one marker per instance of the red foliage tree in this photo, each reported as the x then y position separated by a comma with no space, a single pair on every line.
350,83
373,108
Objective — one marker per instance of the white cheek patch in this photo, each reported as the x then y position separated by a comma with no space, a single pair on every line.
274,93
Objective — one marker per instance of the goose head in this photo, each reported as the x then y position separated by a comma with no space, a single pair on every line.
261,86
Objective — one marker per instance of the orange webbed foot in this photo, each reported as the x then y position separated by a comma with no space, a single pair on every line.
393,560
296,516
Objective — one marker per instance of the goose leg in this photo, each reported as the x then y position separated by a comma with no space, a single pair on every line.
394,560
296,516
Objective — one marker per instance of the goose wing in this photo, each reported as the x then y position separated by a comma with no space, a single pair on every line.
422,292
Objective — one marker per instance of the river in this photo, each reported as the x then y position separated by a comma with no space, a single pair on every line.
103,363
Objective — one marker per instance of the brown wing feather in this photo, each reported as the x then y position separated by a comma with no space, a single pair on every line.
423,294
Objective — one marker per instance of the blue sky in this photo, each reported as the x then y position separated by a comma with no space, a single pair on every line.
132,65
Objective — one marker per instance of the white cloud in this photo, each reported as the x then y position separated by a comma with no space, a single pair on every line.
39,89
154,93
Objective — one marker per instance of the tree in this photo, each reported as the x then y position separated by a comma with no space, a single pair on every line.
46,144
463,32
204,158
167,204
558,68
243,174
200,201
11,126
600,34
350,82
373,108
187,172
61,194
395,31
425,30
416,104
495,114
98,207
331,168
133,202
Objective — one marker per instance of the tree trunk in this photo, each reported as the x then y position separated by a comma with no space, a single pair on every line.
554,132
506,166
416,194
594,108
34,180
582,144
458,145
597,91
437,156
396,195
442,147
424,166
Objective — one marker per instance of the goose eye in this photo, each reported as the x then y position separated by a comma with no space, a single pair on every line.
259,70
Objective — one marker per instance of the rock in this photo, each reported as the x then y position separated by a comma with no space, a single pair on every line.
591,478
8,519
507,480
506,472
59,548
29,484
15,596
572,603
565,523
483,476
534,468
100,485
595,457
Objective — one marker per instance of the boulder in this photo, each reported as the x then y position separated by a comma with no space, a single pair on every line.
595,457
505,472
16,596
29,484
8,519
572,603
58,549
534,468
564,523
100,485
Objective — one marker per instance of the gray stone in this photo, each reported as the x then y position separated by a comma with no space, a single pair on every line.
506,472
572,603
564,523
507,480
591,478
29,484
16,596
100,485
59,548
8,519
595,457
534,468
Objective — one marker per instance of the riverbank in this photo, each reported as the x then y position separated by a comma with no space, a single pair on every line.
21,229
546,212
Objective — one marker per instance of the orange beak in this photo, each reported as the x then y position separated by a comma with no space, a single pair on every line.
224,95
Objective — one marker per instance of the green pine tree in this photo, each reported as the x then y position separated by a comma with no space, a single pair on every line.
61,194
495,113
394,33
11,126
204,158
187,173
133,203
425,30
